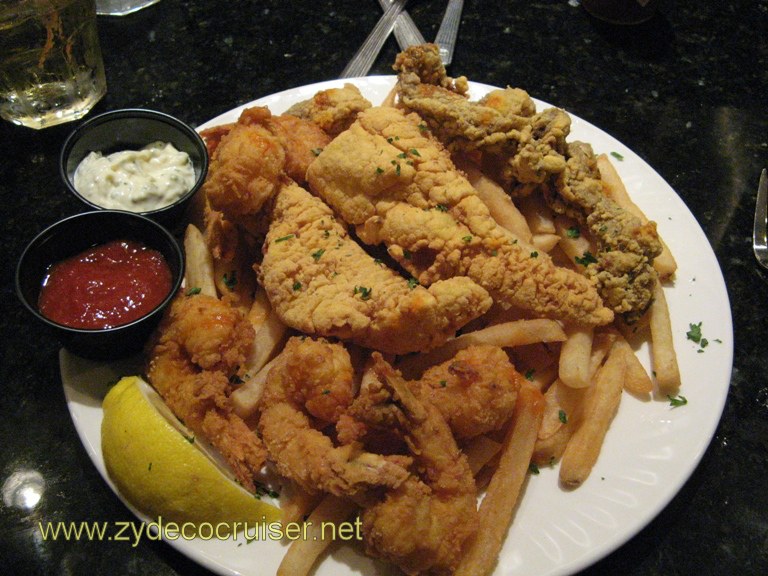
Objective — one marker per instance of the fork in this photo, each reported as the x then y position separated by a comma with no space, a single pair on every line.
406,31
363,59
759,241
449,28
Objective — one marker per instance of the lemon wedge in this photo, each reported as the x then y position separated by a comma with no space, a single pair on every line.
156,466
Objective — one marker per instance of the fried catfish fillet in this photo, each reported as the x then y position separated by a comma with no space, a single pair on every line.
333,110
321,282
391,179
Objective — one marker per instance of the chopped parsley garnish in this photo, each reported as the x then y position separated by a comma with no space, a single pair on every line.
365,293
573,232
412,282
326,392
467,239
230,280
423,127
694,335
326,233
378,261
562,416
617,156
534,254
284,238
317,254
407,254
676,401
296,286
415,152
586,260
194,291
529,374
442,208
402,155
533,468
443,383
316,151
379,170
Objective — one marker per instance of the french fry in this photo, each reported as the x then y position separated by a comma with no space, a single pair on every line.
245,398
636,379
506,335
573,243
500,205
561,404
663,356
479,451
265,343
601,401
664,263
296,503
198,271
538,215
545,242
304,552
260,309
498,506
575,357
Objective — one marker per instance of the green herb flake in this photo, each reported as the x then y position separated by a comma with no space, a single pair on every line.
326,392
467,239
562,416
194,291
296,286
573,232
326,233
402,155
379,170
617,156
415,152
230,280
378,261
317,151
586,260
533,468
694,333
284,238
317,254
534,254
365,293
677,401
443,383
529,374
442,208
412,282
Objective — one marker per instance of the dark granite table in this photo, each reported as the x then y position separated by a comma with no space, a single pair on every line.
686,91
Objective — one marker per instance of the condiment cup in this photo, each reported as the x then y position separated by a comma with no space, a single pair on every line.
72,236
132,129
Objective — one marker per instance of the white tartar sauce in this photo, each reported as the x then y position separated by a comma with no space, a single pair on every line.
136,180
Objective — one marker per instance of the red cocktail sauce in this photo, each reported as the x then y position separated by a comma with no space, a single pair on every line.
105,286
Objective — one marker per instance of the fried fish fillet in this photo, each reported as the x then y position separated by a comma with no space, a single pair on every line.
397,185
333,110
321,282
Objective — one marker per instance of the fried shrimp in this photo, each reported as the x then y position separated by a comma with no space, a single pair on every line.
475,391
423,524
311,385
200,344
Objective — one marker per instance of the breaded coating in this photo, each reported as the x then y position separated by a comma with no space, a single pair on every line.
200,344
311,385
391,179
333,110
249,159
505,122
321,282
623,266
475,391
527,151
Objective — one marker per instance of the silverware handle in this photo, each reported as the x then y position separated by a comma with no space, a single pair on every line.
449,29
363,60
406,31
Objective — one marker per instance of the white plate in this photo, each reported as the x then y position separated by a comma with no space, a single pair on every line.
651,448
